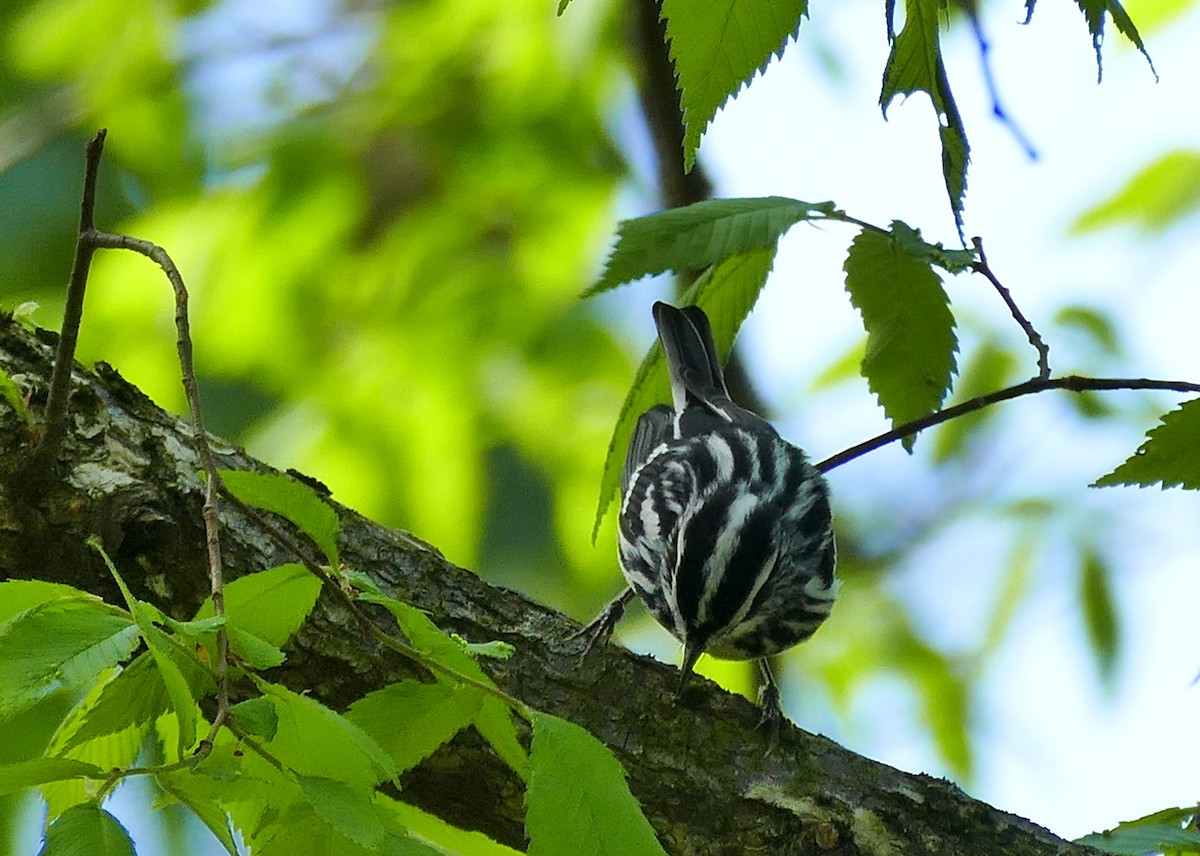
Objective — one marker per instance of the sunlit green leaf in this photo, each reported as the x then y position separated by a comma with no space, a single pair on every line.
292,500
180,694
59,644
911,343
411,719
1172,830
915,65
20,595
315,741
86,830
697,236
16,777
577,800
443,836
346,809
1092,323
257,716
726,292
1162,194
1013,590
205,807
1170,454
135,696
719,46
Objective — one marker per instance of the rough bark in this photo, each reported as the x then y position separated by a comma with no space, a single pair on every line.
128,474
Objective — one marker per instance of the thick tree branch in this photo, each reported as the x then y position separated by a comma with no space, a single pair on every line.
696,763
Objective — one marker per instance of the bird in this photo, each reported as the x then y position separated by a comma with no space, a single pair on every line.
725,529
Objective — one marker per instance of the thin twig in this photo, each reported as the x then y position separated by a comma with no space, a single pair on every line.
55,420
212,478
1073,383
1032,334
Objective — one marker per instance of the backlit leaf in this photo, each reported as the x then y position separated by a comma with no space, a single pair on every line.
1099,611
291,499
915,65
86,830
911,343
696,236
577,800
718,47
26,774
1160,195
1170,455
411,719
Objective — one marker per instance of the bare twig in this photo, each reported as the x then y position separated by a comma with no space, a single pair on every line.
55,419
212,484
1073,383
1032,334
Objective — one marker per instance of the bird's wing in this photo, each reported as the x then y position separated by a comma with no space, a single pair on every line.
653,428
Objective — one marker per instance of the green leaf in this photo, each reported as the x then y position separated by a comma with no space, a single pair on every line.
1099,611
10,393
20,595
494,719
1159,196
411,719
1095,11
86,830
205,807
1170,454
315,741
291,499
719,46
915,65
577,800
443,836
1096,326
59,644
726,292
697,236
346,809
180,694
27,774
135,696
910,332
1172,830
257,716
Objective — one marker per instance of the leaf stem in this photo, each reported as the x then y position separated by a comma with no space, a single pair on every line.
982,267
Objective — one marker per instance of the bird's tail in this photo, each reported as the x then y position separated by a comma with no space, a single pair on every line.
691,356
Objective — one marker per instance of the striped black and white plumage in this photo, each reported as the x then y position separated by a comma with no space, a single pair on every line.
725,527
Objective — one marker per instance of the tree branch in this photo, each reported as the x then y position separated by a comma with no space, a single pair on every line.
1073,383
1031,333
695,763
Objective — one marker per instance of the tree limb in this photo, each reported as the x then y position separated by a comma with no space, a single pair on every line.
130,477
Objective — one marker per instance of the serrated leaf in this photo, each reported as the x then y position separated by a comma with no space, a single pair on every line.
1094,11
696,236
292,500
207,809
494,718
411,719
38,771
20,595
444,837
346,809
911,343
257,716
1170,454
12,394
915,65
1161,194
315,741
578,800
1172,830
178,691
718,47
86,830
1099,611
726,292
134,697
59,644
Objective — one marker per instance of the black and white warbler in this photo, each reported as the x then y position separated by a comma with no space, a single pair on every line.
725,527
